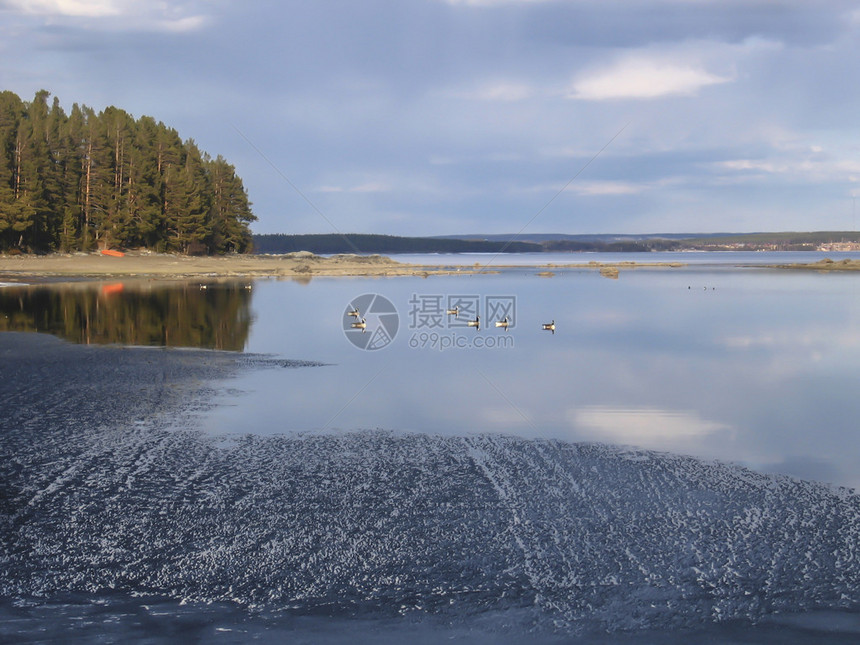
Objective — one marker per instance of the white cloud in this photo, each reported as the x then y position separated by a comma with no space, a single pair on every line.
598,188
641,78
89,8
807,169
116,14
182,25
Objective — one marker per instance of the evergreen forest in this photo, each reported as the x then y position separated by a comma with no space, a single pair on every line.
84,181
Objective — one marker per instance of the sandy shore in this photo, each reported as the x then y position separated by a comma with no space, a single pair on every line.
180,266
822,265
292,265
302,265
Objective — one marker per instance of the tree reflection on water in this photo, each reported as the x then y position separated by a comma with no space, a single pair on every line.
216,315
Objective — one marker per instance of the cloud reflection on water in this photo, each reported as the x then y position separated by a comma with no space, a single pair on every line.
762,371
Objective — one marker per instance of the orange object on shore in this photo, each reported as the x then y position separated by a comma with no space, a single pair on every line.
116,254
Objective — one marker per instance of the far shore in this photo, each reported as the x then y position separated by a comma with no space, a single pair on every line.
822,265
301,265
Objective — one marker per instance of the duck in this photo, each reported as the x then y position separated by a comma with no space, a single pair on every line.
354,313
550,326
475,323
361,324
504,322
454,312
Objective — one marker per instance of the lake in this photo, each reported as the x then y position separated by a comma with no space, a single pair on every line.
719,359
755,366
461,525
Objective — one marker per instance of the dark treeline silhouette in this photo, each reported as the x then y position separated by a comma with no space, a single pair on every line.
85,180
620,246
182,315
369,243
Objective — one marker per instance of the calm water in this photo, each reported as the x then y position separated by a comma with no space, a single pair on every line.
754,366
723,258
750,365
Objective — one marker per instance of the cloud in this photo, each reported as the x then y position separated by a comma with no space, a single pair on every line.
599,188
640,78
801,169
118,15
88,8
182,25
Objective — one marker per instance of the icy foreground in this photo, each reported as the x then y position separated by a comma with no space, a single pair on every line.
100,493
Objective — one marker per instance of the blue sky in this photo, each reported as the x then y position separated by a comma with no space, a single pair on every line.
426,117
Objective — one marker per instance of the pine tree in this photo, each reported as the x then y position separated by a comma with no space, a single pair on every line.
144,186
188,202
11,114
231,210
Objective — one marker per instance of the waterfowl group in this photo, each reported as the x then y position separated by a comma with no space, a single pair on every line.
505,322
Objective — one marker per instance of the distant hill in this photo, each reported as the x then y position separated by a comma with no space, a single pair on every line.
554,242
603,238
370,243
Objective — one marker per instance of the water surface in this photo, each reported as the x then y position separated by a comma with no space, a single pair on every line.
750,365
747,365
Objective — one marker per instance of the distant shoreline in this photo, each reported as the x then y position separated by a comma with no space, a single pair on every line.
822,265
329,243
300,265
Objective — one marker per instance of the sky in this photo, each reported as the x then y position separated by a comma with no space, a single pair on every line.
437,117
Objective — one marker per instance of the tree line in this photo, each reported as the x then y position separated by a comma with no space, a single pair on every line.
84,180
327,243
330,243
